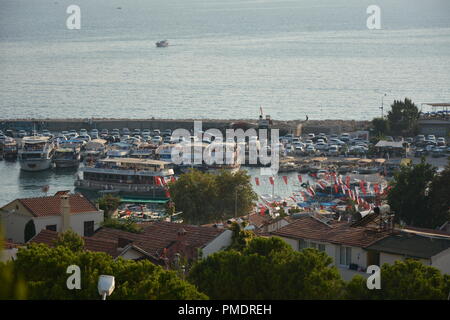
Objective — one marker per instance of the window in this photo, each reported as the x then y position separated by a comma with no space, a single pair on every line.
345,256
302,244
88,228
51,227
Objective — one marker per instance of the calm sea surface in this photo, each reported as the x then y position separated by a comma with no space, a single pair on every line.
226,59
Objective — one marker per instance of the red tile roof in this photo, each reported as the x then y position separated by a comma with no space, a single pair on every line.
51,206
48,237
336,232
160,235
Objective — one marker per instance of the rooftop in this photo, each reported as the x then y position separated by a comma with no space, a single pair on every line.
411,245
48,237
311,228
51,205
160,235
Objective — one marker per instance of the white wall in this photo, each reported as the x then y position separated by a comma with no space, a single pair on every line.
131,254
14,226
14,223
442,261
219,243
77,221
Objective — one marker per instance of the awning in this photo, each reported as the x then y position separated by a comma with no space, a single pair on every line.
137,200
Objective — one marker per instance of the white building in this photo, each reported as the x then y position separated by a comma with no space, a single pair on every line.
354,247
59,212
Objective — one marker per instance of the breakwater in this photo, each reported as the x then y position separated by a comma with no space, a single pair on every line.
293,126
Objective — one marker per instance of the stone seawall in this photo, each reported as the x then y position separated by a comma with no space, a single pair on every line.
292,126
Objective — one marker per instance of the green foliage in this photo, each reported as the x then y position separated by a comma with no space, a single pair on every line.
70,240
108,203
403,117
12,286
30,230
419,197
439,198
403,280
125,225
267,269
240,238
206,198
380,126
45,269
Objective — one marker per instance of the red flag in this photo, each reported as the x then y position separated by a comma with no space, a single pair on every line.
347,181
157,181
300,178
257,181
285,178
375,188
271,180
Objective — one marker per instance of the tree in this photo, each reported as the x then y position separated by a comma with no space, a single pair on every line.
380,126
240,238
409,195
45,274
109,204
235,195
403,280
268,268
12,286
30,230
205,198
403,117
439,199
70,240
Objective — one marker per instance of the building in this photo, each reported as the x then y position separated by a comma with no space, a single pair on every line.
355,246
49,237
430,250
59,212
164,242
344,243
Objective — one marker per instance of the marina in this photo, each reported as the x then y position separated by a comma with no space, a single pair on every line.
136,165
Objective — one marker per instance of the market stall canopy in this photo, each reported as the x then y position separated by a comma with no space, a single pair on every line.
389,144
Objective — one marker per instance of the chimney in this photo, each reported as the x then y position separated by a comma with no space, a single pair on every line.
181,236
65,212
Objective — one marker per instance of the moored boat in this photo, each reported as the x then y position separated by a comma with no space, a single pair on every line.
127,176
67,156
36,153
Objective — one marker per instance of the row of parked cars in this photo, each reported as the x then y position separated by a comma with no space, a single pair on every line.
430,145
321,144
335,145
155,136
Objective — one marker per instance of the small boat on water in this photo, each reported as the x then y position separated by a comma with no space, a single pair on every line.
162,44
10,148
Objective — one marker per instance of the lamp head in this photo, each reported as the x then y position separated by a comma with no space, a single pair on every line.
106,285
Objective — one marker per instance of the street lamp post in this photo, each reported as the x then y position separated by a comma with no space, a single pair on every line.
238,188
382,105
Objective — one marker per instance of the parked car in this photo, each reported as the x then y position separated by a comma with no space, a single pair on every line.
345,137
333,150
441,141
